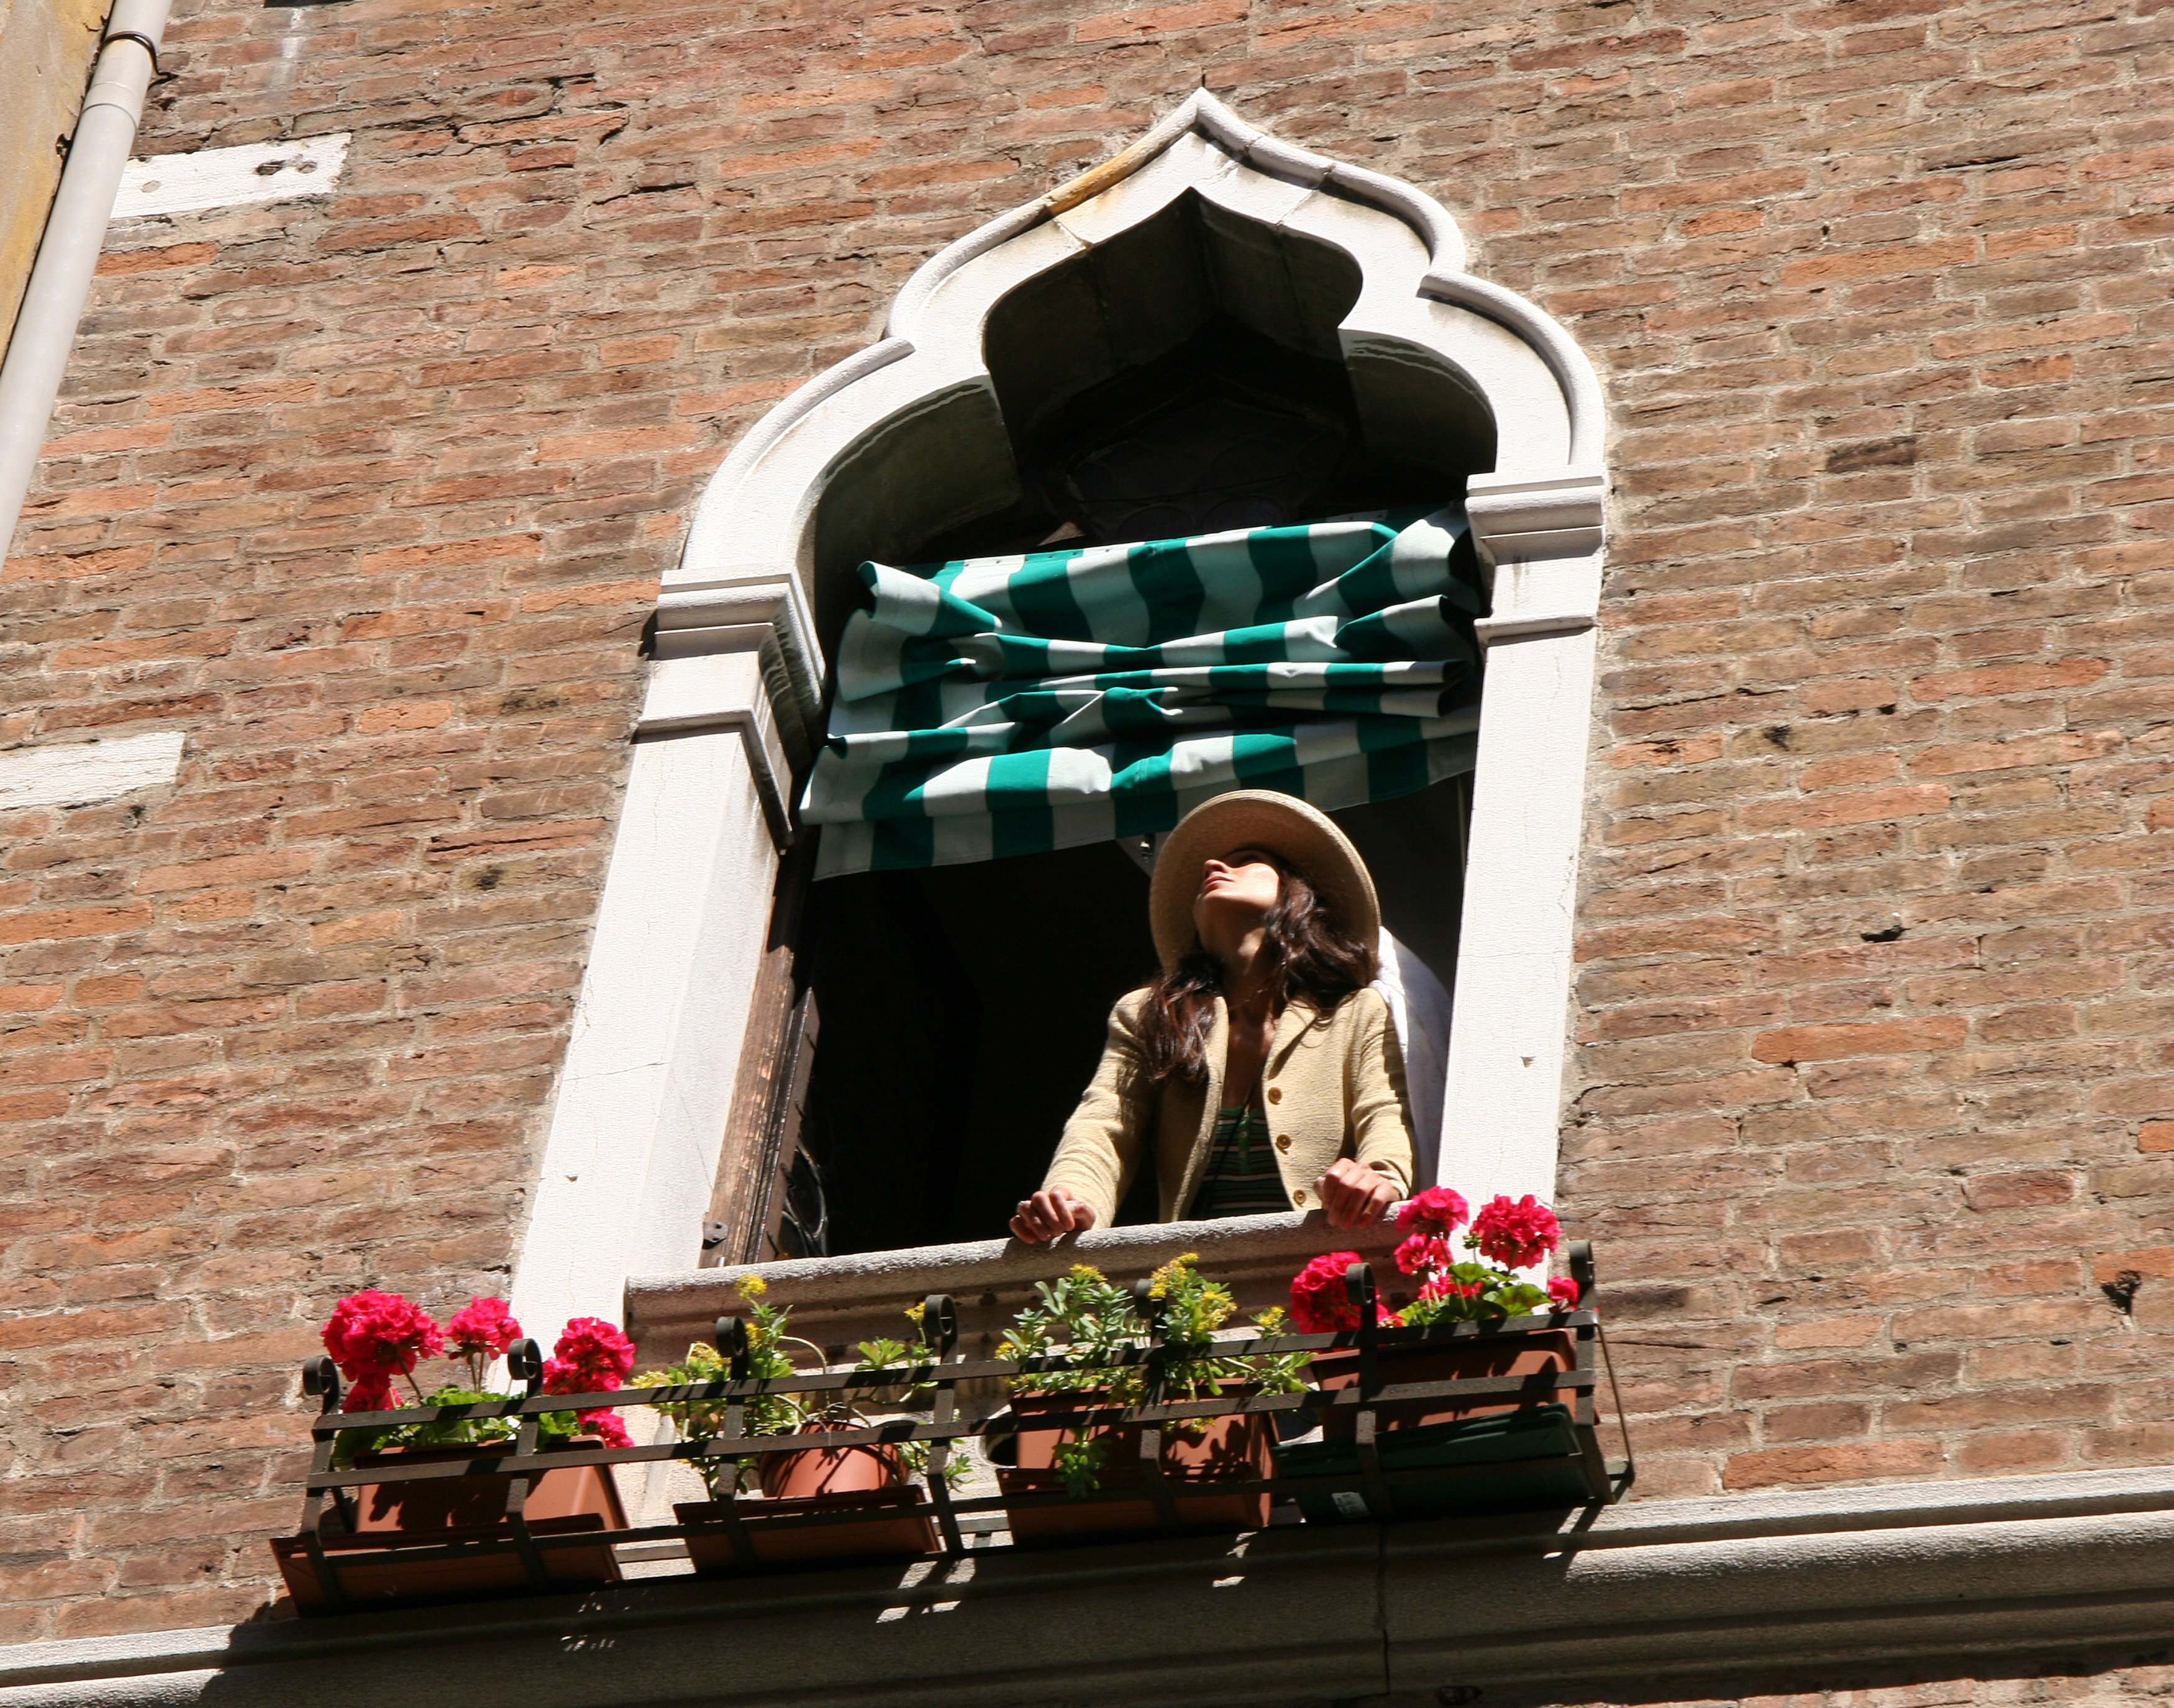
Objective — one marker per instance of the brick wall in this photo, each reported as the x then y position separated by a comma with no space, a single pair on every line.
369,496
1876,986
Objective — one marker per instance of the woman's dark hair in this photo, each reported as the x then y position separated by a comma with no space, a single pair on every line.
1310,956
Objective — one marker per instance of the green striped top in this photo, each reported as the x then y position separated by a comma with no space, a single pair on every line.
1242,1178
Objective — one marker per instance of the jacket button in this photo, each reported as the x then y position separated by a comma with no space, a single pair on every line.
1283,1141
1276,1094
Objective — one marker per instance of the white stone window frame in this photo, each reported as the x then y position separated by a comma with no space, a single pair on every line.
733,699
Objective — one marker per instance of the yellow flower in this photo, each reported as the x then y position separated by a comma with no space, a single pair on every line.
915,1312
751,1287
1087,1271
1172,1271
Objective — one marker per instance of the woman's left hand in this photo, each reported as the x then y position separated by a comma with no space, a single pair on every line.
1354,1194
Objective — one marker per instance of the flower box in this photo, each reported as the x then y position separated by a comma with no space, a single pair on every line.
1538,1353
421,1532
1231,1449
1509,1461
866,1509
380,1522
468,1502
401,1572
884,1524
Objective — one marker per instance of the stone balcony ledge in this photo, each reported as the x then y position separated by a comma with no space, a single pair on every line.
838,1301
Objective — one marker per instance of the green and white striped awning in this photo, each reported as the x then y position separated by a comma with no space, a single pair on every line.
1010,705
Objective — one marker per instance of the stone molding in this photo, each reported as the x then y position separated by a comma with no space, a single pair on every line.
236,177
82,773
759,507
739,653
1540,541
1765,1586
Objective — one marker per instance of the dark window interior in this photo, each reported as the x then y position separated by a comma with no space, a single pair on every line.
963,1012
964,1009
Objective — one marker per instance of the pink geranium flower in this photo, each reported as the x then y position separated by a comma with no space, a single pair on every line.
591,1357
372,1391
1424,1253
1518,1235
379,1334
482,1328
1437,1210
1563,1291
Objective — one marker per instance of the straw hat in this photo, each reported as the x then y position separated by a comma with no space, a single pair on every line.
1281,824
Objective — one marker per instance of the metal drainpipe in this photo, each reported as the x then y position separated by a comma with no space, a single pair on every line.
67,254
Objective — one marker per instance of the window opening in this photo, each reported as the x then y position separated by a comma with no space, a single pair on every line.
1183,378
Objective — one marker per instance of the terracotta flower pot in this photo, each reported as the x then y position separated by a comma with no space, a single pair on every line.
1229,1450
1527,1353
577,1490
870,1480
831,1471
432,1513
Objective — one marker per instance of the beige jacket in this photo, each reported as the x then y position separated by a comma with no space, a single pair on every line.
1333,1087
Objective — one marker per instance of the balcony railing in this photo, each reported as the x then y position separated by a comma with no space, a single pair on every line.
1372,1462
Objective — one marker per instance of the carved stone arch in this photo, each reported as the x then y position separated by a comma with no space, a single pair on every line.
1420,327
911,436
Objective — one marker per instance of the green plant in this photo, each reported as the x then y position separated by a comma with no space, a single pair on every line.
1084,1318
886,1354
761,1414
774,1413
1097,1329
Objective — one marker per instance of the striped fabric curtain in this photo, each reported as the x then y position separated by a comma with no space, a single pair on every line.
1011,705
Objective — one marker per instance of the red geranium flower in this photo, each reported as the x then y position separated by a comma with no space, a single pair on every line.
1563,1291
372,1391
482,1328
1437,1210
1516,1236
1424,1253
1321,1303
591,1357
380,1334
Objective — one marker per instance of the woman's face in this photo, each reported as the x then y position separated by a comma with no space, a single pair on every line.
1237,891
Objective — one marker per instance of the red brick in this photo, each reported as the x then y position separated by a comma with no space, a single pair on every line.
1868,1038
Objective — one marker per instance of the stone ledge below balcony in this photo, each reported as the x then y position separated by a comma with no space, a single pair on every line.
1656,1596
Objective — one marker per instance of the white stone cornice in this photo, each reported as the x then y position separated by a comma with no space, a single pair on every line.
739,653
1540,539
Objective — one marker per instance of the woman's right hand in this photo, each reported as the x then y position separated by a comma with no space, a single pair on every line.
1049,1213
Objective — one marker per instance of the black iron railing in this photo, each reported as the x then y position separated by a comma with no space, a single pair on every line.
1367,1483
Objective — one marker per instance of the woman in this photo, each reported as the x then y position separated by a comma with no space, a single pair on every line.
1259,1071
